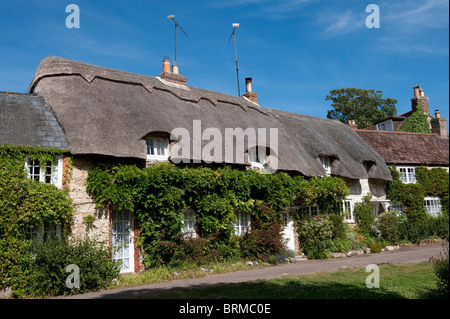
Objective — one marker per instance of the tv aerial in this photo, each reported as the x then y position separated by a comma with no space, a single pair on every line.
233,34
172,17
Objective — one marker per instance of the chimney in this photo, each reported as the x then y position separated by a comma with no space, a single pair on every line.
175,69
439,125
249,94
437,114
419,98
166,64
352,124
172,77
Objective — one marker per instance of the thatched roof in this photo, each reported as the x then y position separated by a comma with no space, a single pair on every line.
25,120
408,148
109,112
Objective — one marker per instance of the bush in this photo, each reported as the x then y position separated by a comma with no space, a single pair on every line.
47,269
375,247
315,236
441,269
365,217
262,242
388,227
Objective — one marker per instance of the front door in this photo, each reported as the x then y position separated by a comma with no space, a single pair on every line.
288,231
122,240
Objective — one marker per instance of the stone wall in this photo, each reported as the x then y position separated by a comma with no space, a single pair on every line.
84,204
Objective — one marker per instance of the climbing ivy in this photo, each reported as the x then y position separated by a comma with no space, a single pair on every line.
25,203
430,182
417,122
158,194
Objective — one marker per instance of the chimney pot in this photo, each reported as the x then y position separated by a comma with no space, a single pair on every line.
249,94
437,114
248,84
352,124
422,93
166,64
175,69
416,90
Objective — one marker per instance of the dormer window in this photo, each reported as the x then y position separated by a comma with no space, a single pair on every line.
369,165
257,157
326,163
157,148
385,126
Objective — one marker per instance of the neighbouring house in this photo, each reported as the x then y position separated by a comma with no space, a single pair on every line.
25,120
437,124
110,117
409,150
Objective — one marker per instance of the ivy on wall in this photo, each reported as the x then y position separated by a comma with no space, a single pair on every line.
430,182
158,194
25,203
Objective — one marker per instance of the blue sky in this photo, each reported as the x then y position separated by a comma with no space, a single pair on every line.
296,51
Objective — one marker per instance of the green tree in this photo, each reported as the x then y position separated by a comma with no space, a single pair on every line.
417,122
364,106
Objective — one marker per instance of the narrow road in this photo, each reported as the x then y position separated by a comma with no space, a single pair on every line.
401,256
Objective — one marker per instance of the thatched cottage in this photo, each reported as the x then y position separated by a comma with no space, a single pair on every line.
110,116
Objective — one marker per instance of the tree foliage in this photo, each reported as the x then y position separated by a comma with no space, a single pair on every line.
364,106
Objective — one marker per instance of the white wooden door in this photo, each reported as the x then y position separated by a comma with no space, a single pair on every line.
122,240
288,231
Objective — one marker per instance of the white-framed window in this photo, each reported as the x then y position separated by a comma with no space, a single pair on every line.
433,206
189,220
326,163
257,156
396,206
310,210
44,231
385,126
50,173
242,224
347,210
157,148
285,218
407,174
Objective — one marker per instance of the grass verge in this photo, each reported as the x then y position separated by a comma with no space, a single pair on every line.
407,281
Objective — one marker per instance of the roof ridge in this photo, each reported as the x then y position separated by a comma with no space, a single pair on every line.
89,72
395,132
18,93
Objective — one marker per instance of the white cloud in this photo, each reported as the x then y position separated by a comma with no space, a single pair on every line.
339,23
413,16
268,8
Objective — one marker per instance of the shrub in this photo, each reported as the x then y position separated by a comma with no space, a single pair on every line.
364,216
441,269
339,228
47,269
315,236
388,227
262,242
375,247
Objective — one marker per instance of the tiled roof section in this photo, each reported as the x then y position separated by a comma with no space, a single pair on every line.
408,148
24,120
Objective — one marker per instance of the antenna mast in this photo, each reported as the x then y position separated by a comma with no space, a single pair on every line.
172,17
233,34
